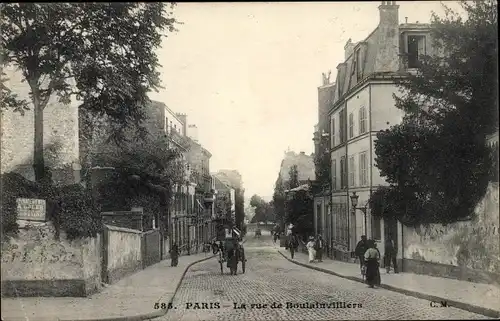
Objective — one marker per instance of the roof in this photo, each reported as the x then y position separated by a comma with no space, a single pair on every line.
159,104
371,50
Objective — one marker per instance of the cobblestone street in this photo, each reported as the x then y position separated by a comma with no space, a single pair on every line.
269,279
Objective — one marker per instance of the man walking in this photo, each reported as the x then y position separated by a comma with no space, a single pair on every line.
390,254
319,248
293,243
360,250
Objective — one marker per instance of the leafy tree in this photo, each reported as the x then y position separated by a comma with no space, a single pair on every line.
144,173
299,212
103,53
436,161
293,177
322,163
263,210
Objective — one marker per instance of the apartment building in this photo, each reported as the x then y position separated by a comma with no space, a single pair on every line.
362,105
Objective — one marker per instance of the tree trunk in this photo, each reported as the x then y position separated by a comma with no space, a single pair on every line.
38,157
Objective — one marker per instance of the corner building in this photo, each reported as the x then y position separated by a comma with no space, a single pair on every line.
363,105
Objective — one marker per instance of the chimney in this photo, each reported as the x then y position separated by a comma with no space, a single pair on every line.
348,48
389,13
387,59
183,119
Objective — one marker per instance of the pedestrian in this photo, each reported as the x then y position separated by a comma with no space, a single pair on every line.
372,257
360,250
293,243
390,252
319,245
377,278
310,249
174,255
275,237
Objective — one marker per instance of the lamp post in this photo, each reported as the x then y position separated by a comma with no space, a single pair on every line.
354,202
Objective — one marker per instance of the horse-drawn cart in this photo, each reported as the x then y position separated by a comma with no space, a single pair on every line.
231,252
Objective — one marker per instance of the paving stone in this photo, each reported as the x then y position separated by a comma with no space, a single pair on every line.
270,278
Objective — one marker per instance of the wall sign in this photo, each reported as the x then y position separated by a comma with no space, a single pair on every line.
31,209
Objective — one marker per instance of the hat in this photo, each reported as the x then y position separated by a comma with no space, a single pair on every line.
311,238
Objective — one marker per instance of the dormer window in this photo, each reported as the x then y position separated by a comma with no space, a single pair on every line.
416,49
358,63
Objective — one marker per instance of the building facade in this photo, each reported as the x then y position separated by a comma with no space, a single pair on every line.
60,131
234,181
192,203
323,222
363,105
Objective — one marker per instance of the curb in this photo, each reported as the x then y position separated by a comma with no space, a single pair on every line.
145,316
456,304
164,312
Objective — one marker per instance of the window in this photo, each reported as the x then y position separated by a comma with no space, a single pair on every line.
362,120
166,125
334,174
351,125
363,169
171,126
343,183
416,49
376,228
342,125
359,72
351,171
332,132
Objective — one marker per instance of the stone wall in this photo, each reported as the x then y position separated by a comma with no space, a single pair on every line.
35,263
123,252
60,135
464,250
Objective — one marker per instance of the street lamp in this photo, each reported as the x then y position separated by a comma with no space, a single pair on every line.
354,202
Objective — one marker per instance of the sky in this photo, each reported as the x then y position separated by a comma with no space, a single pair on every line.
247,75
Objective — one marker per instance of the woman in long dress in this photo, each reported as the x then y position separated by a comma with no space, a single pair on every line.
310,248
372,258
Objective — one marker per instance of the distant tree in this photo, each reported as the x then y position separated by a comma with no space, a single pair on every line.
293,177
103,53
263,209
436,161
279,201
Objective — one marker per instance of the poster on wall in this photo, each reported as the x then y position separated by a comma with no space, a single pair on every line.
229,233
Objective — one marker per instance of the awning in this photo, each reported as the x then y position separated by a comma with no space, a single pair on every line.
236,231
199,203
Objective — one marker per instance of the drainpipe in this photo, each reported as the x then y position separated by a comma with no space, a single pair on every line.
345,134
371,144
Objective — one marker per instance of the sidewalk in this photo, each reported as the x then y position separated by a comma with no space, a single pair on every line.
474,297
131,298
